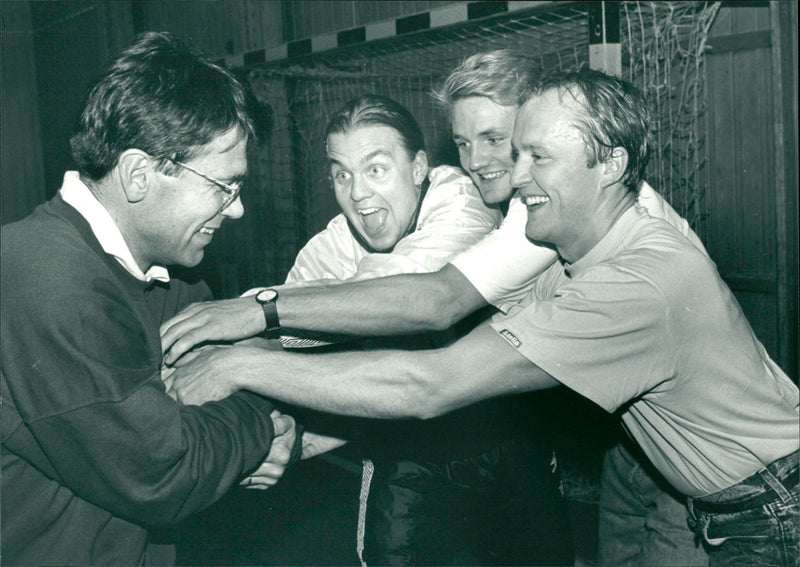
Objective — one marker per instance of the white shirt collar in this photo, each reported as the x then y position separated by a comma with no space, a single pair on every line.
77,194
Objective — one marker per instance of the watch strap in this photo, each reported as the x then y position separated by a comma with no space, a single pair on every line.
270,309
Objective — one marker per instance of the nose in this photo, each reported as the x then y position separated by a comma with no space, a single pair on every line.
520,175
360,189
235,210
477,157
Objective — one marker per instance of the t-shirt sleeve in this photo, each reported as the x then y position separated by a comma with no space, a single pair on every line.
602,334
503,266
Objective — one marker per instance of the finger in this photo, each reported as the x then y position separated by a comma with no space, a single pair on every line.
278,458
168,382
268,478
188,355
253,291
282,424
180,347
168,327
261,485
173,345
276,476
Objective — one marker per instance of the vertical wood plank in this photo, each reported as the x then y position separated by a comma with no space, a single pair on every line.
22,174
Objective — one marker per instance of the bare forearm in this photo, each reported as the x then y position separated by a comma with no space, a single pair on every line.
347,383
391,305
389,383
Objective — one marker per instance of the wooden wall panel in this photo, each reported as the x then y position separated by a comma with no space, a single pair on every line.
22,170
71,51
744,199
783,24
218,27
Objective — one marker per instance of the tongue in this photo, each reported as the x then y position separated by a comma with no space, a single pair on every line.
373,222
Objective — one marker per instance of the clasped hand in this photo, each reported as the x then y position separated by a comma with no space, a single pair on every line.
200,376
272,469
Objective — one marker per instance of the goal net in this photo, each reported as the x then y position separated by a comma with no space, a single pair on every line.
289,193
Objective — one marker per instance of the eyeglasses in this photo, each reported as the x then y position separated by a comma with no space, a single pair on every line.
231,191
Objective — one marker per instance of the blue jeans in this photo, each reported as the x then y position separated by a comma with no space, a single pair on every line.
756,521
642,520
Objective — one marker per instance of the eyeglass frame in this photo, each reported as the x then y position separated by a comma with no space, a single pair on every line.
231,191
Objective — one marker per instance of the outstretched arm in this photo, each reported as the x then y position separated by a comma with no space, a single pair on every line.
383,306
453,218
379,384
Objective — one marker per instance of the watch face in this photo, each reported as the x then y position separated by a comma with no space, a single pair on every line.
266,295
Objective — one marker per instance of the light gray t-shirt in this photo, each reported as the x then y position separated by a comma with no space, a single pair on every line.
644,324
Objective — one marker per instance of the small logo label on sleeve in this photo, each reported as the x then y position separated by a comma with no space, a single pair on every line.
511,338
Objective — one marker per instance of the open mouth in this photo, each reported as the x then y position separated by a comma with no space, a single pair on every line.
373,219
493,176
535,200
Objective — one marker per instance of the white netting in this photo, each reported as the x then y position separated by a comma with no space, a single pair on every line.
665,43
662,48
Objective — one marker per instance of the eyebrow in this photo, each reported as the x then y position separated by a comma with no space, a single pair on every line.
376,153
484,134
366,158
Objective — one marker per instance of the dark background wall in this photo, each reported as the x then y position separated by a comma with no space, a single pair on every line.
52,51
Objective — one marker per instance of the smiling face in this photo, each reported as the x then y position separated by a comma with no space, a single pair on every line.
482,132
185,211
376,182
565,197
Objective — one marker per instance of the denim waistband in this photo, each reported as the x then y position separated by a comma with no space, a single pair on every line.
754,491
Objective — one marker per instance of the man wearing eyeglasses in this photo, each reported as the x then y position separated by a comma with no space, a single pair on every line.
94,451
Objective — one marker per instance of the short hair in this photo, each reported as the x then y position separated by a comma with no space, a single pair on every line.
615,115
163,97
378,110
502,75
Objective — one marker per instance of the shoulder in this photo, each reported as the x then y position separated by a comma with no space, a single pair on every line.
449,178
336,231
658,254
43,246
453,193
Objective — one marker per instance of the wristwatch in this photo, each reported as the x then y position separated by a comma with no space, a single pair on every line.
268,299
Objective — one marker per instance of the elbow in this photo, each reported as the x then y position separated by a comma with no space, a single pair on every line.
431,407
424,398
444,309
443,316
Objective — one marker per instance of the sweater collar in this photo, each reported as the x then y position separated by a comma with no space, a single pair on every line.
75,193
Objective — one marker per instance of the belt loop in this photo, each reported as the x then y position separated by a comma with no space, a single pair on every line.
690,507
775,484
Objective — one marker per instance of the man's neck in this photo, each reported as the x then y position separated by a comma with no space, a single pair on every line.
606,216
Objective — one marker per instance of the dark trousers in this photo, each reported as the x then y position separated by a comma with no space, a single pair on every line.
503,507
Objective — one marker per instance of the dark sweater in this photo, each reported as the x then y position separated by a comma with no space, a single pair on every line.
93,449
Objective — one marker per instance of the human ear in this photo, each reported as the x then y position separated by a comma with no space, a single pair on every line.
420,167
134,171
615,166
